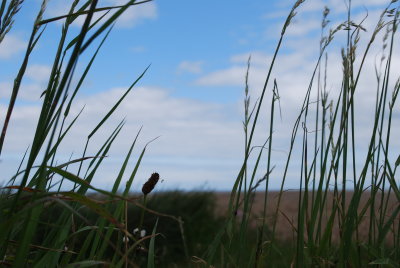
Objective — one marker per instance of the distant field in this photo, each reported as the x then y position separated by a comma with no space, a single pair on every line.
289,207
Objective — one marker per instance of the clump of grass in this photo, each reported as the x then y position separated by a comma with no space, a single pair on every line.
325,170
186,234
7,14
27,237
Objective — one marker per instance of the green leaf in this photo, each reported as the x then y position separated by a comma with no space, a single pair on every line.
72,177
150,258
397,161
86,264
93,206
385,261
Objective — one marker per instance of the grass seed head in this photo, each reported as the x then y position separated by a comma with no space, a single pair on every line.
151,183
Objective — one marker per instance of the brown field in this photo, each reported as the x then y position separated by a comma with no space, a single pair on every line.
287,219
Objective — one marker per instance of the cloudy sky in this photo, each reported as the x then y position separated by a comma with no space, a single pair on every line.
192,95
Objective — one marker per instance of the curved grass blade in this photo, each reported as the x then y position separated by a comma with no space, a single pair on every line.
151,256
117,104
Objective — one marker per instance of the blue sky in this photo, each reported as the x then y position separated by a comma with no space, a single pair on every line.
192,94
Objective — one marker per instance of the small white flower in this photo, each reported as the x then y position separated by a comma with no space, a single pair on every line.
142,233
125,239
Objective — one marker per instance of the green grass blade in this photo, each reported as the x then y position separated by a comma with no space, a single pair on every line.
117,104
88,263
151,256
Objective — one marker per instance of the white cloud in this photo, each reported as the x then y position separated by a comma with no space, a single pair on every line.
303,27
27,91
136,14
38,72
316,6
194,67
257,58
5,89
10,46
130,18
31,89
232,76
309,15
334,5
197,138
369,4
186,125
291,64
292,71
